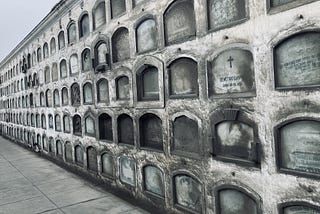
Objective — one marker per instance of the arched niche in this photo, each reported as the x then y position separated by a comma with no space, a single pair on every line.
92,162
125,129
150,127
120,44
107,164
78,150
296,207
99,15
153,181
105,127
102,91
122,88
146,35
127,167
68,152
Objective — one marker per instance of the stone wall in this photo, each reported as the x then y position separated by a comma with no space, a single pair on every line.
189,106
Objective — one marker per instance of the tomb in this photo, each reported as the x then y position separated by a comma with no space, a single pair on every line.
127,171
92,162
153,181
120,44
151,132
125,129
107,164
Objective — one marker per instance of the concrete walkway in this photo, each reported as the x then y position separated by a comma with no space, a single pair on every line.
30,184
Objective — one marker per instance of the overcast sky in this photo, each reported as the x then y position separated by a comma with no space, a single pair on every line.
18,18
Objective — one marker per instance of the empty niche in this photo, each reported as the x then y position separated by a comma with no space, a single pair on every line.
72,33
66,123
107,164
63,69
105,127
225,13
75,95
99,15
297,144
297,61
230,200
298,207
68,152
183,77
120,45
232,72
153,181
78,154
151,132
84,26
87,93
123,88
73,63
118,7
92,159
146,34
89,126
187,193
86,60
234,137
185,135
125,129
65,96
148,83
179,21
127,171
59,148
77,126
102,91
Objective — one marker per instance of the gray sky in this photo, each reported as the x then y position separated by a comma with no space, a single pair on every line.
18,18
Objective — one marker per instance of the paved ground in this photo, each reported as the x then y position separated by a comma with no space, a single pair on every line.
30,184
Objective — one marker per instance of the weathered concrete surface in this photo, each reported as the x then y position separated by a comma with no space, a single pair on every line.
30,184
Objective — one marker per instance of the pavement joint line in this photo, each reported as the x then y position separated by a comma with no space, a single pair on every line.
82,202
13,202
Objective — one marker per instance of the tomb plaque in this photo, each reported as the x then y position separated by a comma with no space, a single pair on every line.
79,155
68,151
150,82
231,72
188,192
127,171
74,64
186,137
100,15
300,210
152,133
297,61
86,61
179,22
234,201
235,139
88,93
90,126
92,159
107,164
224,13
125,130
300,146
154,180
123,87
120,44
118,7
146,36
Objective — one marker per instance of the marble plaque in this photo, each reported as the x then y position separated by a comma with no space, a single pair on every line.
235,139
187,192
300,210
179,22
107,164
103,91
232,72
154,180
79,155
186,135
74,68
236,202
125,130
123,88
90,126
118,7
226,12
300,146
183,77
297,61
92,159
120,44
127,171
151,132
63,69
99,15
68,152
146,36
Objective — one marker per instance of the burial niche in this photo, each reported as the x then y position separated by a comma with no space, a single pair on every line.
73,62
127,171
183,77
120,44
53,46
299,147
125,129
57,123
148,83
107,164
299,208
231,201
47,74
146,34
89,125
234,137
86,60
92,159
55,72
59,149
72,33
75,95
45,50
61,40
63,69
123,88
153,180
225,13
297,61
105,127
78,154
179,22
101,56
49,98
68,152
87,93
231,72
151,132
185,135
84,26
65,96
118,7
102,91
187,193
77,126
275,3
99,15
50,119
56,98
66,123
